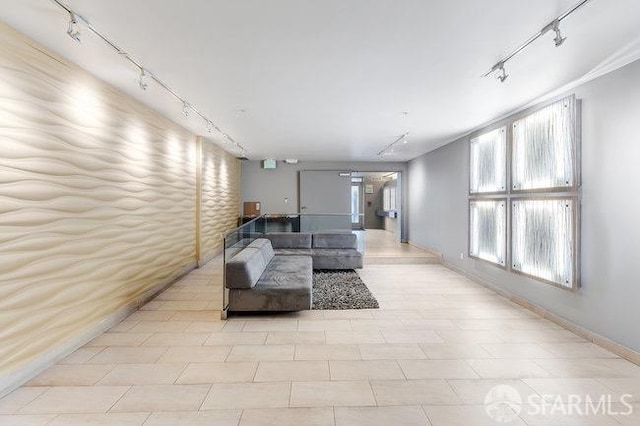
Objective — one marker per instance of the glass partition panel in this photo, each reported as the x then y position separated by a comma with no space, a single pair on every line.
282,223
542,239
544,147
325,223
487,230
488,156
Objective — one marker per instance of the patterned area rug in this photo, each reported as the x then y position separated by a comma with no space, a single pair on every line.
341,290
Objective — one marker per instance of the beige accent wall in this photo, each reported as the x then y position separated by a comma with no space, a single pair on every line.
220,202
98,204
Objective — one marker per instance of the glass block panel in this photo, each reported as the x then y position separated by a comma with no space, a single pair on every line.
544,148
542,239
392,199
488,162
386,202
487,230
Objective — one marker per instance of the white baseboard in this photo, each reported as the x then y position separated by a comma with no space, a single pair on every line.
17,378
593,337
432,251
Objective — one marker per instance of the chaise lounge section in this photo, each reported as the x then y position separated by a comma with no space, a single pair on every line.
260,281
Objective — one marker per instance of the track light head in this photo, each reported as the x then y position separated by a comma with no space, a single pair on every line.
503,76
558,39
142,80
185,109
209,126
74,28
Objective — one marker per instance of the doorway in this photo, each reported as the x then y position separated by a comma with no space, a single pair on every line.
380,201
340,200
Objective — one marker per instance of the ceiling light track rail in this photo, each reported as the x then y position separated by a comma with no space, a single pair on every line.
389,147
554,25
145,73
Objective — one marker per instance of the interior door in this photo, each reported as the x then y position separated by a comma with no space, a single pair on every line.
325,200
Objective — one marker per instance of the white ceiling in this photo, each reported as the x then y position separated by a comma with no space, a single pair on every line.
330,79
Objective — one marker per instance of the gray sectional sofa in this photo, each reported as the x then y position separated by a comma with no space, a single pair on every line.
327,250
275,273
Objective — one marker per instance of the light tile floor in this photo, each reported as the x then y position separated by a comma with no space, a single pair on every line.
429,356
382,248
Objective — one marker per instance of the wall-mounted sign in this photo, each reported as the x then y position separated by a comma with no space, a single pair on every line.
368,189
268,163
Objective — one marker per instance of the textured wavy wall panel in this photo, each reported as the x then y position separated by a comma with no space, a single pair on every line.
220,197
97,200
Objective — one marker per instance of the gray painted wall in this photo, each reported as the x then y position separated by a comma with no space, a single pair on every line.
272,187
608,302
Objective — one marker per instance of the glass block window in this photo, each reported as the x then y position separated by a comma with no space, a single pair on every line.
524,181
386,201
543,154
389,198
542,239
488,230
392,199
488,155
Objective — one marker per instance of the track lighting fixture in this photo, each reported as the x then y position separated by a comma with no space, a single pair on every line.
390,148
74,32
558,40
502,77
74,28
142,80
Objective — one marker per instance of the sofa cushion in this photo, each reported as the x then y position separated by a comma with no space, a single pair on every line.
337,259
293,252
245,268
286,285
289,240
287,272
265,248
338,241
